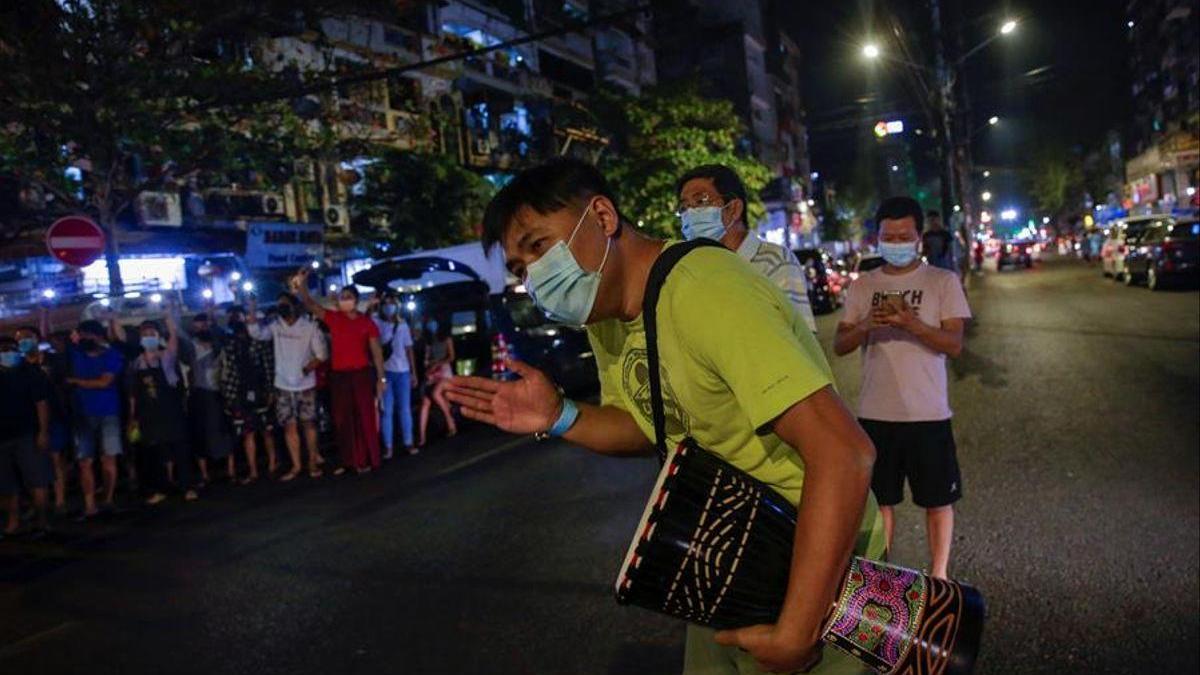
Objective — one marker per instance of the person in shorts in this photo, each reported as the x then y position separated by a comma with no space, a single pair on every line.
96,368
299,349
24,435
245,376
906,318
53,364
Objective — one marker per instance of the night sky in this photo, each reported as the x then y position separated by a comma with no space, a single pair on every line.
1059,81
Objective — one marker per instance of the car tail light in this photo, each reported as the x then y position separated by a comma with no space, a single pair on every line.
500,356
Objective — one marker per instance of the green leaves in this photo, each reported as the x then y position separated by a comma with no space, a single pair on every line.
660,135
427,200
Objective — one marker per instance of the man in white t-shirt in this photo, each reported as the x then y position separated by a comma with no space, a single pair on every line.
712,203
299,351
907,317
398,369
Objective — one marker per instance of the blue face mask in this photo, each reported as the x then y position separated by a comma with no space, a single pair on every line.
899,254
559,286
703,221
389,310
431,326
10,359
26,345
149,342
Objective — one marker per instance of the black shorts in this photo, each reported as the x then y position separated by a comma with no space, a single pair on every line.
923,452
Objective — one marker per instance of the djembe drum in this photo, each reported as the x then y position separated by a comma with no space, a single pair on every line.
715,546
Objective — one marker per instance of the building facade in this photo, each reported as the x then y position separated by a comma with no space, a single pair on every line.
1162,170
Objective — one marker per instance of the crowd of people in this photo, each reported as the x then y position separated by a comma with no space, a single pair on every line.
174,407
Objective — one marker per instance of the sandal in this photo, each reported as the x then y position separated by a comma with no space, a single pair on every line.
339,471
248,479
315,473
289,476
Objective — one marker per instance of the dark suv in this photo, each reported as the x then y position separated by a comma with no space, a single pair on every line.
486,327
1167,253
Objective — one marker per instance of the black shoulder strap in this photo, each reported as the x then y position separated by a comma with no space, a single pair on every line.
658,276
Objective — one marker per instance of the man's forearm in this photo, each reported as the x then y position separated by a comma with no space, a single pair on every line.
849,338
827,524
940,340
608,430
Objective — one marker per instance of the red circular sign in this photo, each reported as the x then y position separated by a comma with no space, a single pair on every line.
75,240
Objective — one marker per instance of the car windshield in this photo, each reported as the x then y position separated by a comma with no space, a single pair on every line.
1185,230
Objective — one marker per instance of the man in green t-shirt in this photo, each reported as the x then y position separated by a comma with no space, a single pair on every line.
741,372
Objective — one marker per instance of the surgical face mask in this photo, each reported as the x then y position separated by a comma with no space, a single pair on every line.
898,254
389,310
703,221
431,326
559,286
347,305
150,342
26,345
10,359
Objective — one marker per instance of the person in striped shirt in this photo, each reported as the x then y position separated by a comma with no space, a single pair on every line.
712,203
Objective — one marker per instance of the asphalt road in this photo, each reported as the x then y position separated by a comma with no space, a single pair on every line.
1075,407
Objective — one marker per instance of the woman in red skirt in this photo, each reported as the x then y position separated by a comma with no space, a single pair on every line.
356,377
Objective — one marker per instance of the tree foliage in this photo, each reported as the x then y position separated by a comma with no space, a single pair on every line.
1056,182
422,200
141,94
661,134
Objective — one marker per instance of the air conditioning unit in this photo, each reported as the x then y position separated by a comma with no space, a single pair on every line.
224,204
273,204
337,217
159,209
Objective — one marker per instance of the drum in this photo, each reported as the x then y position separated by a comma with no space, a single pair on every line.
714,548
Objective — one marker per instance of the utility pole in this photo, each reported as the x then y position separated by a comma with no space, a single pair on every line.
944,97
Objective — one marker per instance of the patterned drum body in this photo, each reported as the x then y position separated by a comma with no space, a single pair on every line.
714,548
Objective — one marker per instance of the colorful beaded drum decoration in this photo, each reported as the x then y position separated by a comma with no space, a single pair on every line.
714,548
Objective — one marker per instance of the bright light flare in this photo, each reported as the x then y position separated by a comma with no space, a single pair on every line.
1008,27
986,196
993,120
871,51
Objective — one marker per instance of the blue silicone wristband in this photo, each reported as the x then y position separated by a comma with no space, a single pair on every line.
566,418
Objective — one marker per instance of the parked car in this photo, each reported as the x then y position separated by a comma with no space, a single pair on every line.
866,263
486,327
1016,253
1167,253
1121,235
822,294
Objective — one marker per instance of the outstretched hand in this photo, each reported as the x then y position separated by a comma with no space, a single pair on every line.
525,406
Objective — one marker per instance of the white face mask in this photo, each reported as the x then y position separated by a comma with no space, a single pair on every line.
559,286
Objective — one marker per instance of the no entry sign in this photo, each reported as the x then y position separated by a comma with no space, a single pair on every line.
75,240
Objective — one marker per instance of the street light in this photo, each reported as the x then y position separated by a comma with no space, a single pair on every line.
871,50
1008,27
987,174
986,196
993,120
